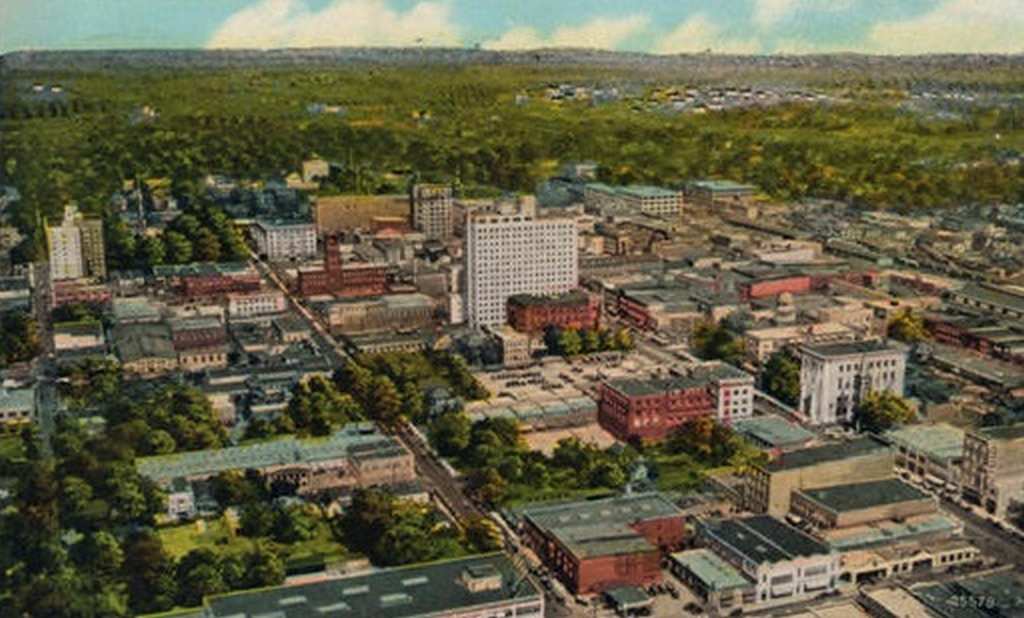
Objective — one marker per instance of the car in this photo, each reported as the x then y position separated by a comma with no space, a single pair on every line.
693,608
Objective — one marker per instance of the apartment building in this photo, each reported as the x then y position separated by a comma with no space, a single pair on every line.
513,252
252,304
432,210
993,467
282,241
834,377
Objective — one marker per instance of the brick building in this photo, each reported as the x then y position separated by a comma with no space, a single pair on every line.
774,285
208,280
345,280
596,545
529,313
651,409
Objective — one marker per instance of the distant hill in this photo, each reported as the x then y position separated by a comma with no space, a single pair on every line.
87,61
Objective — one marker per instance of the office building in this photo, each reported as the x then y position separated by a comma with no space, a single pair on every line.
487,586
252,304
595,545
835,377
75,247
933,453
348,280
432,210
769,487
282,241
528,313
993,467
782,561
512,252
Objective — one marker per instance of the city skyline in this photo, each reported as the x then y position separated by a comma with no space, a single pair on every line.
656,26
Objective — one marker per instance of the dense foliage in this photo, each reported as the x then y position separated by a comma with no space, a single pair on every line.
907,327
19,337
714,444
781,377
570,341
712,341
880,411
500,467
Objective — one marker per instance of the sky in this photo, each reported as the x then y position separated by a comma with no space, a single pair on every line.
657,26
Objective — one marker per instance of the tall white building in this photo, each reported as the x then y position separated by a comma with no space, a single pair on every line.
432,210
514,252
834,377
285,241
76,247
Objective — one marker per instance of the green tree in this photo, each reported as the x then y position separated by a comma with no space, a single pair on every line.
907,327
206,246
150,252
716,342
257,519
880,411
263,567
483,535
781,377
179,248
19,337
569,342
450,433
198,574
624,340
386,403
591,341
150,574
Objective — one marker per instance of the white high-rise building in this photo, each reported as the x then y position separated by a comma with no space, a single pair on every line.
281,241
835,377
76,247
514,252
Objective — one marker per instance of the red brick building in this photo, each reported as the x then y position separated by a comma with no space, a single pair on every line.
774,286
346,280
78,291
208,280
651,409
528,313
595,545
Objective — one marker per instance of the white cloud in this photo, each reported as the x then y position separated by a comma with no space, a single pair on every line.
699,34
769,13
598,33
290,23
955,26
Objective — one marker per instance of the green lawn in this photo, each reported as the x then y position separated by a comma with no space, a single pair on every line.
11,447
216,534
678,472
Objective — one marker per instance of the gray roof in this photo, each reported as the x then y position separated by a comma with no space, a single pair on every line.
421,590
772,430
355,441
939,442
762,538
601,539
993,295
1005,432
635,387
137,341
624,509
850,348
828,452
713,572
858,496
17,400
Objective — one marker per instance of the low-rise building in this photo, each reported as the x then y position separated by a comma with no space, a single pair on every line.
595,545
533,314
774,434
732,388
993,467
145,349
835,377
852,504
651,409
356,456
770,487
721,586
474,587
514,346
78,336
381,313
783,562
933,453
719,193
281,240
17,408
993,300
761,343
252,304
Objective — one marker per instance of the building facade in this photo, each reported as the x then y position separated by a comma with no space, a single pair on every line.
75,247
281,241
533,314
651,410
432,210
345,280
993,467
835,377
511,253
252,304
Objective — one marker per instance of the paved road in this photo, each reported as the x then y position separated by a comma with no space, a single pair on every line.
994,542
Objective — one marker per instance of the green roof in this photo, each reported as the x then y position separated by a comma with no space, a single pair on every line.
623,509
432,589
763,538
713,572
888,533
860,447
1005,432
859,496
17,400
628,597
642,191
939,442
772,430
599,540
355,440
722,186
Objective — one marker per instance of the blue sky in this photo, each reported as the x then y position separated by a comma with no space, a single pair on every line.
660,26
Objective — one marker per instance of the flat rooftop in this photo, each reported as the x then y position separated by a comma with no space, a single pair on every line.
773,430
825,453
860,496
939,442
424,590
360,440
992,295
888,532
624,509
762,538
850,348
637,387
713,572
1006,432
597,540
